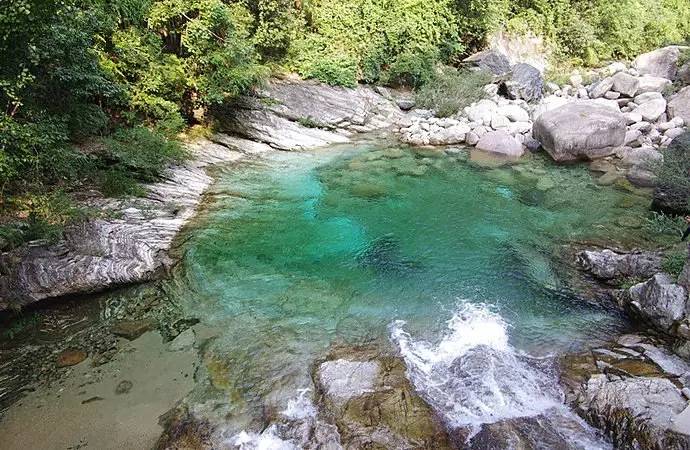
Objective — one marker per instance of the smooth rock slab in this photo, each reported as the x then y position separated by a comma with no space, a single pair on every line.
579,130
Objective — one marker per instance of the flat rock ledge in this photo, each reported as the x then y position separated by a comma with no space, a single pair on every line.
129,243
634,390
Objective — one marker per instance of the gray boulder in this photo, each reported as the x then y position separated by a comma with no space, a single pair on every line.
649,83
652,110
580,130
679,105
600,88
668,196
662,62
490,60
626,84
608,265
525,82
659,300
500,142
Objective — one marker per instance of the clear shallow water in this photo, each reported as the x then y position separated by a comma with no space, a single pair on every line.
301,251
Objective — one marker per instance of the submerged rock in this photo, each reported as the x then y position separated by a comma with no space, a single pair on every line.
383,255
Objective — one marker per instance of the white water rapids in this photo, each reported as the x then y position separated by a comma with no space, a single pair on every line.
472,376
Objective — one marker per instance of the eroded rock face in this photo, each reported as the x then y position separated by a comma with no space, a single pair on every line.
293,115
130,247
374,405
608,265
579,130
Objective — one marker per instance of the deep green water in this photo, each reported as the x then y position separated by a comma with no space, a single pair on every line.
301,250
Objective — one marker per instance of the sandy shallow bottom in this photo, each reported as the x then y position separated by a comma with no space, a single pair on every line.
84,410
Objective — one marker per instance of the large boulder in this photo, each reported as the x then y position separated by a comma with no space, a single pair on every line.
580,130
608,265
490,60
525,82
662,62
658,300
669,197
679,105
500,142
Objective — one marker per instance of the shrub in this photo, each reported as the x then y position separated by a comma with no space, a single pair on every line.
336,71
116,183
673,262
450,90
141,153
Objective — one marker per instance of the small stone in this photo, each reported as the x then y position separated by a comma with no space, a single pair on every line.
611,95
405,104
123,387
70,357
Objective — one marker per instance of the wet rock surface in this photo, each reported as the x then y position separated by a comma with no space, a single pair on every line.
374,405
630,389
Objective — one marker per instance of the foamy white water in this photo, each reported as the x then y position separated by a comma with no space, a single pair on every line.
473,376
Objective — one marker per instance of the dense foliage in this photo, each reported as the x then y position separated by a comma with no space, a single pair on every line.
78,75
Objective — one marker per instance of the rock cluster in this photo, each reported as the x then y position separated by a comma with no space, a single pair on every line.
626,113
632,389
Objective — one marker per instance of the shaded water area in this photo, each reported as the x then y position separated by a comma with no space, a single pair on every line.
422,251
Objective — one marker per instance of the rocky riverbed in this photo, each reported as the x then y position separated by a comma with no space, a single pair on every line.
633,388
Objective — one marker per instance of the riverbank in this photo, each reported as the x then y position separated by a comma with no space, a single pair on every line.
294,122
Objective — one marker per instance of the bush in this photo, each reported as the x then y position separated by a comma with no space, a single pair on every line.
116,183
450,90
141,153
336,71
673,262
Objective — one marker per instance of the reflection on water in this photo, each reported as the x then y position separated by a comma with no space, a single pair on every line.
303,250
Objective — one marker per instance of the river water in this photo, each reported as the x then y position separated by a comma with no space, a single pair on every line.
444,261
